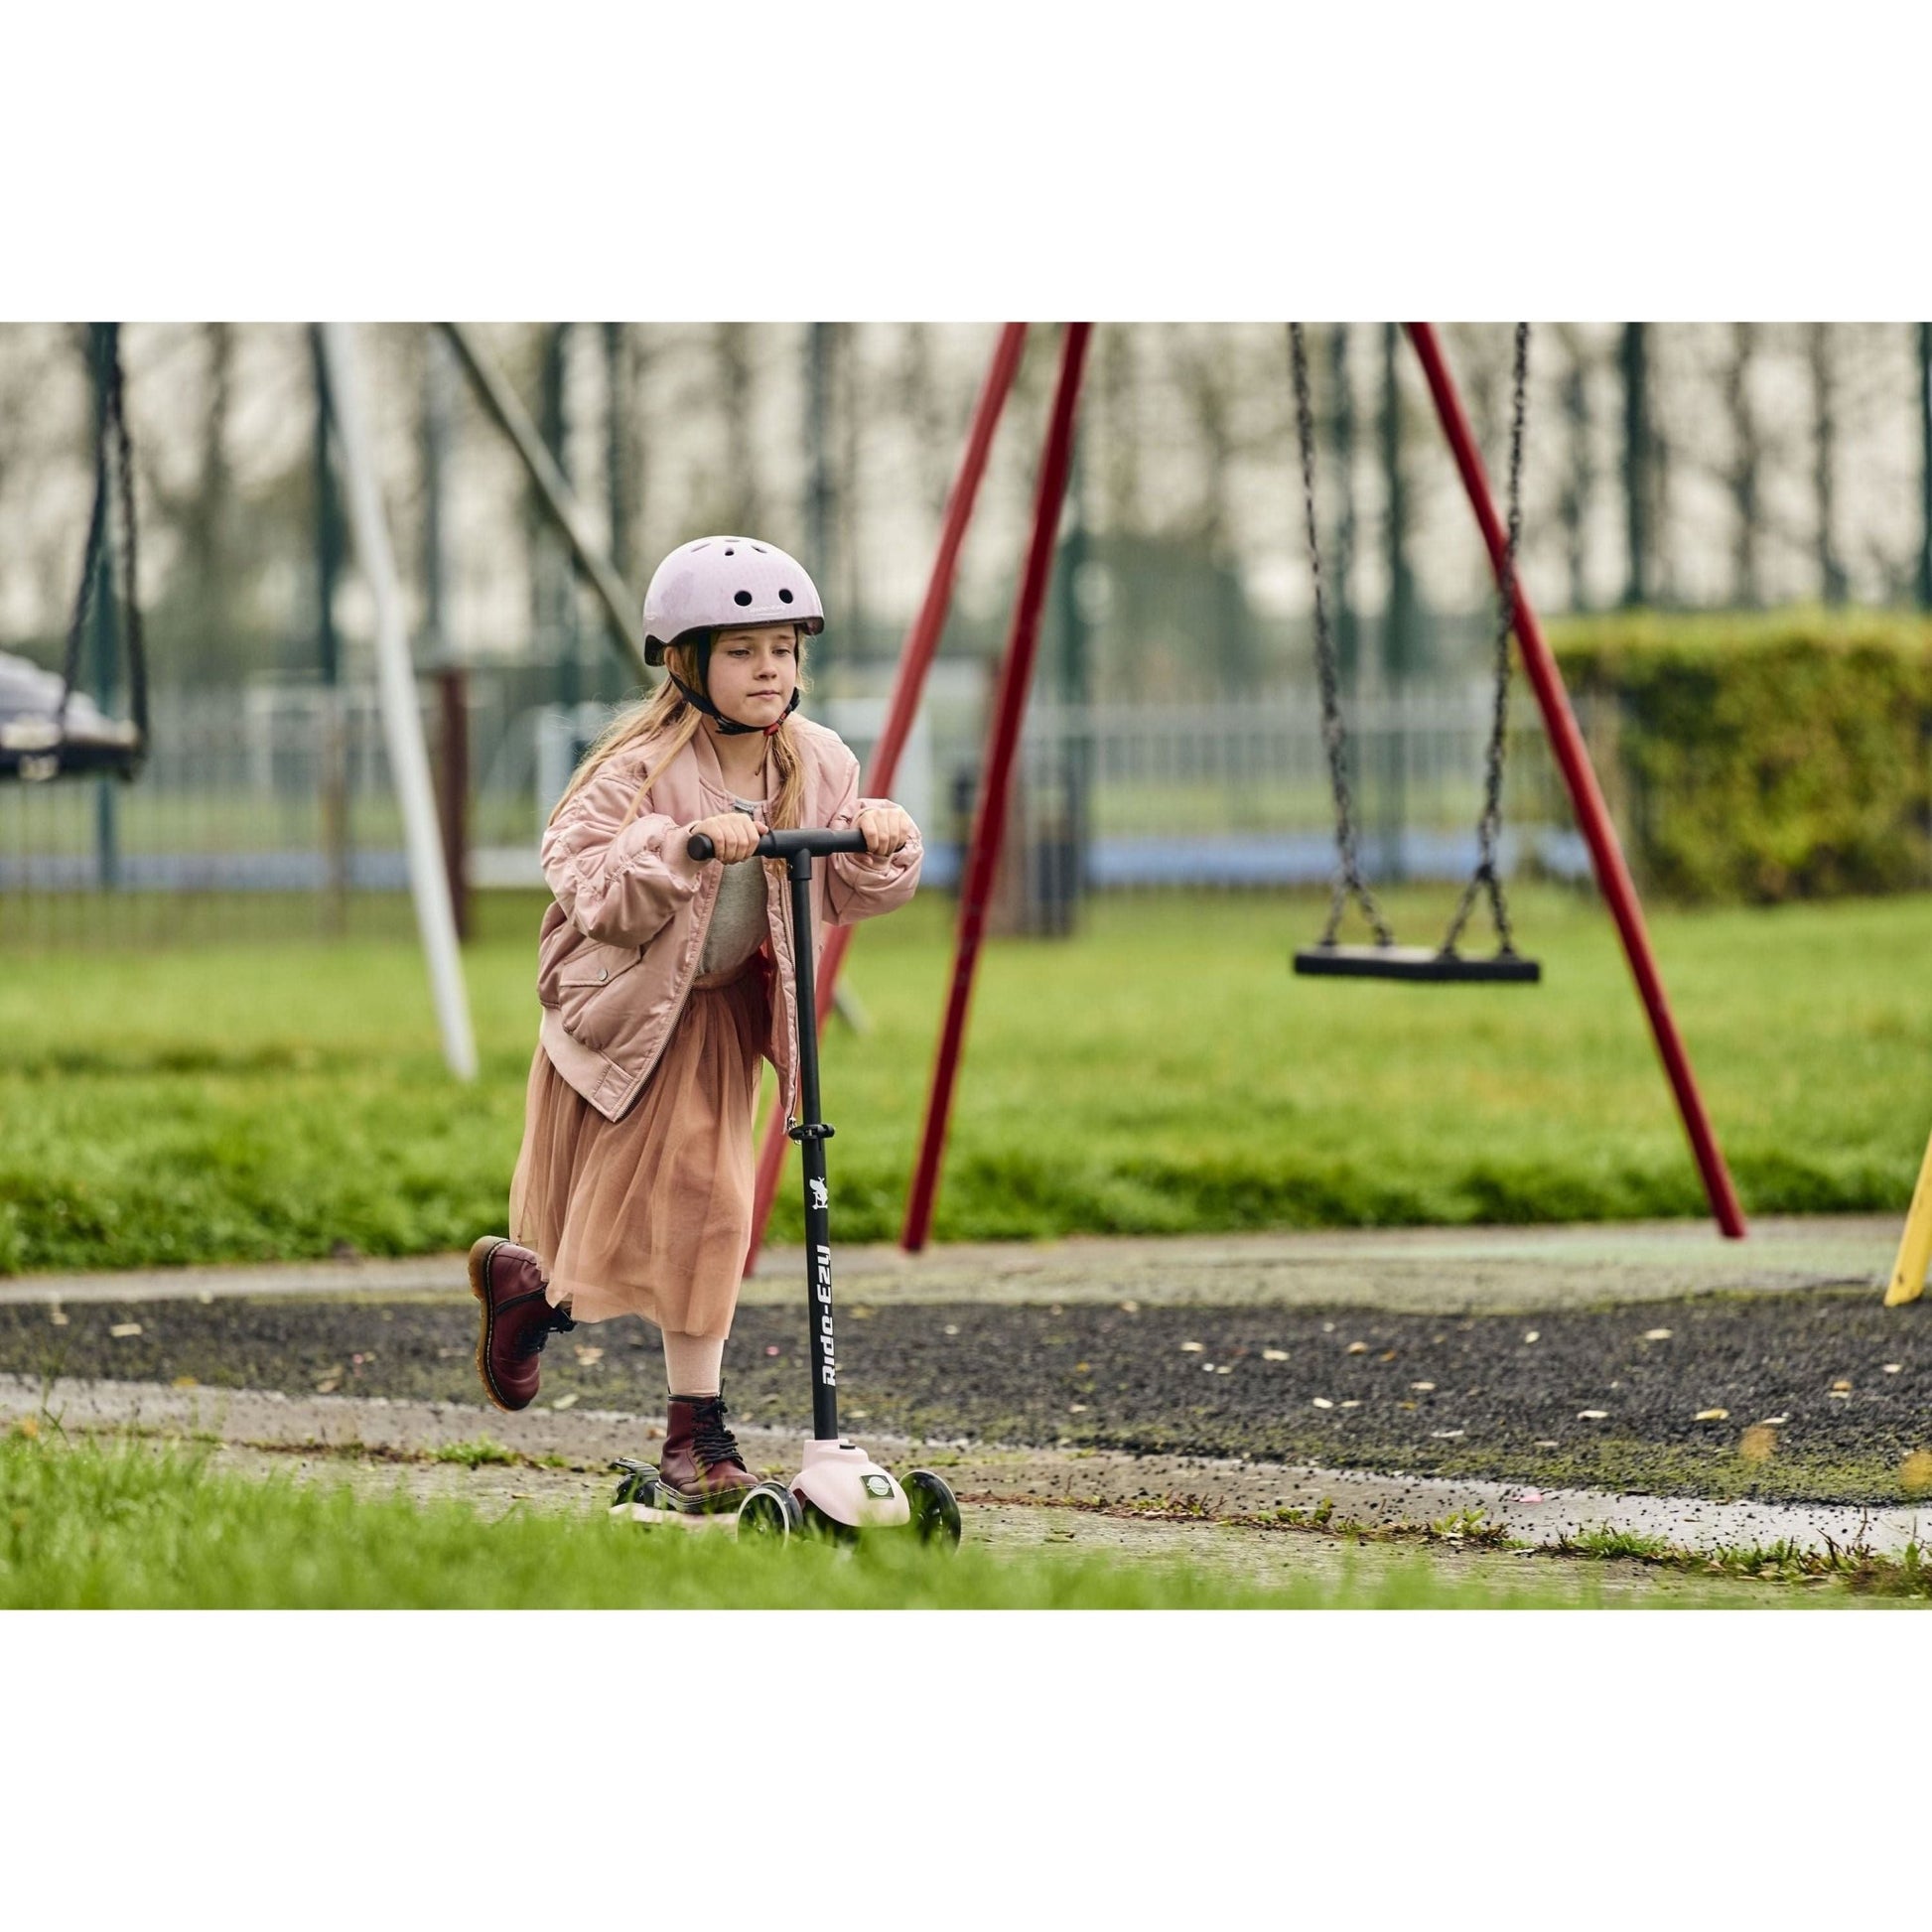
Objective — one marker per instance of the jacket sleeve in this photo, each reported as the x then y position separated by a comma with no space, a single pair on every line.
618,882
857,886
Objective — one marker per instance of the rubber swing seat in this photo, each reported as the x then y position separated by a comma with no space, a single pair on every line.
1419,963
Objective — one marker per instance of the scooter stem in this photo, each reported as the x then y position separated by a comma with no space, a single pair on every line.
811,1131
798,846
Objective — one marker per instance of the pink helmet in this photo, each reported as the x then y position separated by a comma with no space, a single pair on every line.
714,581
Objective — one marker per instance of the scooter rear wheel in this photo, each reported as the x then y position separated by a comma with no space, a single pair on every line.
935,1509
768,1513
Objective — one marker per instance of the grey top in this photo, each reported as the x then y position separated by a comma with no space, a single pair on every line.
738,920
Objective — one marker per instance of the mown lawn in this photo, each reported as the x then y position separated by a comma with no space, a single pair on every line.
1162,1073
130,1526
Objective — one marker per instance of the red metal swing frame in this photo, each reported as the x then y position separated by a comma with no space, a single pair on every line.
982,856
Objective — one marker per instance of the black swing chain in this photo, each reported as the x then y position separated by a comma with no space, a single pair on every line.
120,487
1487,875
1349,878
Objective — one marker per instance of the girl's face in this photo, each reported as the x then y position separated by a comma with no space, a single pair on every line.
753,671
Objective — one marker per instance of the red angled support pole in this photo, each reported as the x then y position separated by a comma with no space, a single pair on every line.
996,779
921,645
1593,816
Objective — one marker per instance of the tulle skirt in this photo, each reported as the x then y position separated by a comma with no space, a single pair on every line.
651,1215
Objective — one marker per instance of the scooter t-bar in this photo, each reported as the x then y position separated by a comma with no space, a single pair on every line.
798,845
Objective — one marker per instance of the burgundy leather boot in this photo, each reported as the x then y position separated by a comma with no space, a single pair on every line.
517,1319
701,1467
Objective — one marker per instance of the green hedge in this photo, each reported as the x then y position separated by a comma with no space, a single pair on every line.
1762,757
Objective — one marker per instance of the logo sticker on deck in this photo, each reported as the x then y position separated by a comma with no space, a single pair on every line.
879,1485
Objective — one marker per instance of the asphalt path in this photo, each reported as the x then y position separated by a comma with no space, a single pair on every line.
1654,1361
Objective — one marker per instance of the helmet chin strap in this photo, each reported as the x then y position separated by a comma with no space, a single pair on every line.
729,727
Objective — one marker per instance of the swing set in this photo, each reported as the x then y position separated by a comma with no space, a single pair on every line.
1381,960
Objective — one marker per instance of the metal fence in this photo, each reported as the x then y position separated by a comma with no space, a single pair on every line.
236,798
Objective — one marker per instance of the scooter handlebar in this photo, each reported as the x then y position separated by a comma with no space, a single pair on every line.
819,840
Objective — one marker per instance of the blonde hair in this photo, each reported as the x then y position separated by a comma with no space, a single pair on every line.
666,713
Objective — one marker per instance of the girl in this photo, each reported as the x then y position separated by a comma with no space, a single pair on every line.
663,981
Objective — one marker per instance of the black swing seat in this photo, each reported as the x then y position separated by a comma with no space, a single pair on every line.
33,755
1414,964
38,740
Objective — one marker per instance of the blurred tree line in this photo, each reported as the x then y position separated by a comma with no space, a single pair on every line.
1708,466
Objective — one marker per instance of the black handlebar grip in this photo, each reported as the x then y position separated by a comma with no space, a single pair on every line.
819,840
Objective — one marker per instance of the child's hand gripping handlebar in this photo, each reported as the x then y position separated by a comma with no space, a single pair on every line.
813,840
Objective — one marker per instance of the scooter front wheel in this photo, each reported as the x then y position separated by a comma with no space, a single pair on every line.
638,1481
935,1509
768,1513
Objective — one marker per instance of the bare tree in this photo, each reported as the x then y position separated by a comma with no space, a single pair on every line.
1747,461
1119,424
1633,359
1578,471
1824,430
737,379
925,410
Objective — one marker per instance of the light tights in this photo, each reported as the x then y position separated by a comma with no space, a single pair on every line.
693,1364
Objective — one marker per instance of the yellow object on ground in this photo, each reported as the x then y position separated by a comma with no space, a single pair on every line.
1915,1250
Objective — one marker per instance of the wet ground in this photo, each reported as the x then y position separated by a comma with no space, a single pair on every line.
1816,1394
1651,1378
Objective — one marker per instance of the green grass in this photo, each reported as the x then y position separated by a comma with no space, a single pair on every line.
1162,1072
130,1525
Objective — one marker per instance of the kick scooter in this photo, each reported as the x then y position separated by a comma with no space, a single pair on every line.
839,1490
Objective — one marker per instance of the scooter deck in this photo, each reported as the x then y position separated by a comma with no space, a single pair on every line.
677,1519
641,1498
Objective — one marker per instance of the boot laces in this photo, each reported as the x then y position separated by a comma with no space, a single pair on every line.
539,1333
711,1442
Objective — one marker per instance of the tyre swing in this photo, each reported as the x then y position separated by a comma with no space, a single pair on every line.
1385,960
48,728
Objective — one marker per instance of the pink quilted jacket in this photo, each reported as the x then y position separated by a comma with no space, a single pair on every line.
619,948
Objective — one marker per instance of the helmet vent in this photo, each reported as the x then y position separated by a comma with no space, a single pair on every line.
743,596
729,551
784,597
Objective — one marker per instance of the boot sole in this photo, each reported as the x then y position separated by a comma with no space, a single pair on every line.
481,1254
718,1505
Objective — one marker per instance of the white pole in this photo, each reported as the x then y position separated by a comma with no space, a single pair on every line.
402,723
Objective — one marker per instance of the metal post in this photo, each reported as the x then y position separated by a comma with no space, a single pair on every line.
452,678
915,659
401,719
105,622
988,818
1593,816
333,734
1925,465
1399,615
453,785
1066,855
